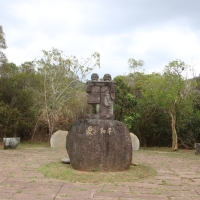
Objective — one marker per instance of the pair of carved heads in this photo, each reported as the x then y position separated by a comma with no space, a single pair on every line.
106,77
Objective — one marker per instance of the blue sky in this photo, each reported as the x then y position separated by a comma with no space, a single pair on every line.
155,31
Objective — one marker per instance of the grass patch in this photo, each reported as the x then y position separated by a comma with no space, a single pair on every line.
164,150
160,149
66,172
180,153
29,144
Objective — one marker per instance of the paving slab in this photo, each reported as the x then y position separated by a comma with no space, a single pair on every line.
178,178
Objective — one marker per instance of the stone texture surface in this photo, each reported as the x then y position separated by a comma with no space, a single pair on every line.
102,145
101,95
135,142
65,160
11,143
58,139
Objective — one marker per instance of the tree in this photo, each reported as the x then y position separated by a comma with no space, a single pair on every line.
170,93
17,101
62,80
3,58
125,101
33,83
129,105
135,64
188,123
9,120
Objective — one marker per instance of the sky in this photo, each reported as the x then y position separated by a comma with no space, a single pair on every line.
155,31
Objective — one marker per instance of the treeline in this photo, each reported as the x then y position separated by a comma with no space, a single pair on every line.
162,109
40,97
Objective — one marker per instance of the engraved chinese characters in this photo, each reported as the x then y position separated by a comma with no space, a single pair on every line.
101,95
91,131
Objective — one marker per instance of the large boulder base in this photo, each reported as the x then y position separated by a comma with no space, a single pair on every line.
99,145
58,139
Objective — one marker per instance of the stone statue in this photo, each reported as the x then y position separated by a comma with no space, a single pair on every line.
107,98
101,95
93,90
99,143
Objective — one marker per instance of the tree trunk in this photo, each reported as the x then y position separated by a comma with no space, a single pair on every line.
143,139
174,133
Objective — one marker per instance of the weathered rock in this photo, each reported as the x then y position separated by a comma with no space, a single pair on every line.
99,145
11,143
58,139
65,160
135,142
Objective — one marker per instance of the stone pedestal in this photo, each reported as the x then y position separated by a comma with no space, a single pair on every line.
99,145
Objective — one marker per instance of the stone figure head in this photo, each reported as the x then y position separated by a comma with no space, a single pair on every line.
94,77
107,77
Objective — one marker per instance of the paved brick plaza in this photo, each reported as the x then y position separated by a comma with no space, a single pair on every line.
178,178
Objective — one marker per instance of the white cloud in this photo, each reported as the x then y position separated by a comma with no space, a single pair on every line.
171,43
83,27
52,12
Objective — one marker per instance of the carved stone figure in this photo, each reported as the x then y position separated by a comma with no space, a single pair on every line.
101,95
107,98
93,90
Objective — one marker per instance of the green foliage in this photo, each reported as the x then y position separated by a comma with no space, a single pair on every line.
155,96
189,119
9,120
175,67
135,64
125,101
132,120
62,81
170,93
18,113
2,39
3,58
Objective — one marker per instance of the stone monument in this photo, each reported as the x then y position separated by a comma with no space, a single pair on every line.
99,143
93,90
101,95
135,142
58,139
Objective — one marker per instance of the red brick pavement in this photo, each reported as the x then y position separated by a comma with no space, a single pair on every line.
178,178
